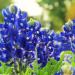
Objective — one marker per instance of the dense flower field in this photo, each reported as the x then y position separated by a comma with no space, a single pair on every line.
27,49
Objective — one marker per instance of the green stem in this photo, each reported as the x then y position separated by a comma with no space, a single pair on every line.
73,60
20,68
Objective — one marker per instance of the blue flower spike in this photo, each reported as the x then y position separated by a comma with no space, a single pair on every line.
23,40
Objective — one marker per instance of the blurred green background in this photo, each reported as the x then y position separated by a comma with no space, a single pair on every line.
3,4
51,13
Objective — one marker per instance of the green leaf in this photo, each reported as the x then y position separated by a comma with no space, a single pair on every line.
4,69
28,71
46,73
31,21
73,60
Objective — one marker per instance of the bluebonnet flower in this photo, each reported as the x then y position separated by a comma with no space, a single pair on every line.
5,55
65,39
71,35
23,39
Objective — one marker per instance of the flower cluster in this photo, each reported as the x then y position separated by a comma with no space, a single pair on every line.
66,39
25,40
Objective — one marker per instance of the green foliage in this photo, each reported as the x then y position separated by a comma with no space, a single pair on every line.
56,12
4,3
73,60
28,71
51,68
31,21
5,70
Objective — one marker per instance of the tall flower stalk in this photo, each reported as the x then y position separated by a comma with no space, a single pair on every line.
19,40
